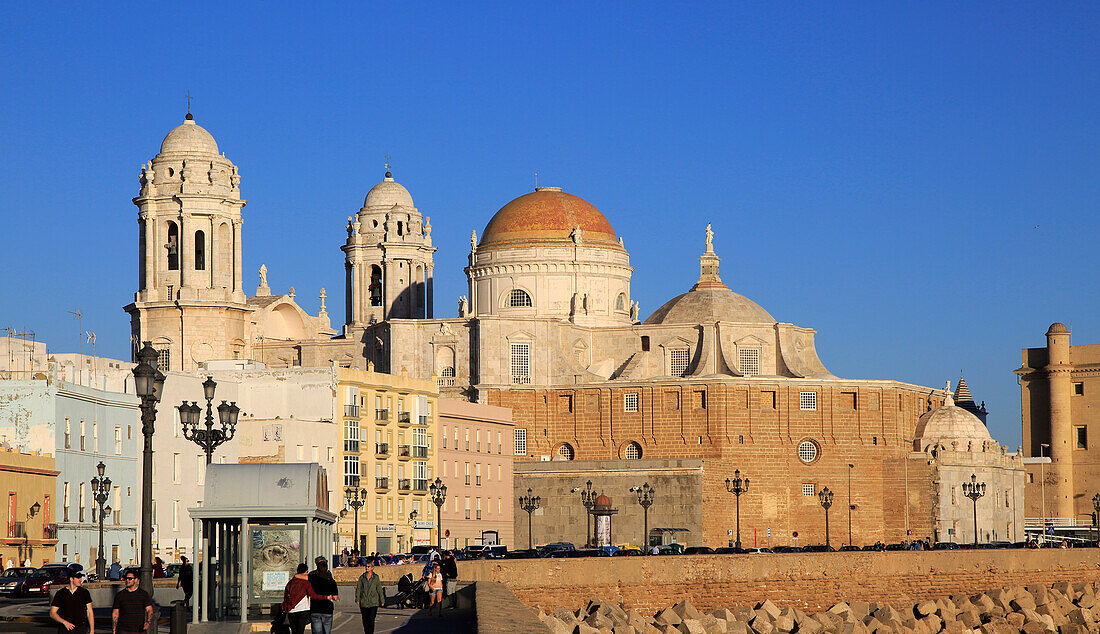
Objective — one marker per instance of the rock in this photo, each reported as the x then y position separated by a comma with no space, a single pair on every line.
686,611
810,626
1016,620
924,608
667,616
761,624
744,613
860,609
691,626
556,626
784,622
1034,627
737,627
840,609
768,607
624,629
598,621
584,628
1081,616
724,614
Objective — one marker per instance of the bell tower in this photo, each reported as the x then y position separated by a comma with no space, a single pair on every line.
190,302
388,258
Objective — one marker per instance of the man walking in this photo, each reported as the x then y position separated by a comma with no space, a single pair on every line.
186,580
450,576
320,610
370,596
133,609
71,607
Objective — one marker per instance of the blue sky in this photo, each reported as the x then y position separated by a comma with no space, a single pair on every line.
916,181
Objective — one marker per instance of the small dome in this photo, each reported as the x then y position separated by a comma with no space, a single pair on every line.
387,194
1057,328
189,138
950,423
708,305
548,215
603,500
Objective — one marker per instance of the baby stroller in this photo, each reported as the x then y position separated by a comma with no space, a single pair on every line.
411,593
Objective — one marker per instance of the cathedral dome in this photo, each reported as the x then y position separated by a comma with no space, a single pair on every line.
950,423
708,305
189,138
548,215
388,193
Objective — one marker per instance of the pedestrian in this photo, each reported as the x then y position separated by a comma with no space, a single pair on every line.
158,568
435,588
369,595
320,610
114,572
186,580
133,609
656,550
296,600
450,576
71,607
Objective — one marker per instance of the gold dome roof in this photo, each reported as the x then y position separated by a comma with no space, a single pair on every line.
547,216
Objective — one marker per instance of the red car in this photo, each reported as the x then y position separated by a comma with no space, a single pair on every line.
41,580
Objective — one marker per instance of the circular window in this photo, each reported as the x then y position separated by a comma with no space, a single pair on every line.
807,451
632,451
565,452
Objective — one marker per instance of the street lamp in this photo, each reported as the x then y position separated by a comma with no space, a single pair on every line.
149,385
101,489
974,490
645,499
210,438
850,505
31,512
356,498
826,497
1096,515
529,504
737,486
439,498
336,538
588,498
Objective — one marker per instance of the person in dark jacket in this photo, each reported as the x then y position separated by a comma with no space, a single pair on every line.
450,576
320,610
186,580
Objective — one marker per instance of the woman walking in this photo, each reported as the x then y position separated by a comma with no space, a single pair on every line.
435,588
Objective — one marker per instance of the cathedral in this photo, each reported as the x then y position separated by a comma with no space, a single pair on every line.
708,385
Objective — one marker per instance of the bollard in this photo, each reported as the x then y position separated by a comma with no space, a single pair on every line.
177,618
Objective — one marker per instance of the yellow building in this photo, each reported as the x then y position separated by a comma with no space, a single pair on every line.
388,457
30,481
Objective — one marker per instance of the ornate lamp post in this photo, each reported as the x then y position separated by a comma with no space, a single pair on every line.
737,486
149,385
1096,515
826,497
412,526
209,438
588,498
31,512
356,499
645,499
439,498
974,490
529,504
101,489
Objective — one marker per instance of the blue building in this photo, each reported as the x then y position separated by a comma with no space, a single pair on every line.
81,426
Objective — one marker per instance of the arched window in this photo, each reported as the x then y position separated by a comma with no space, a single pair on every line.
633,451
565,452
519,298
375,288
200,251
620,302
173,247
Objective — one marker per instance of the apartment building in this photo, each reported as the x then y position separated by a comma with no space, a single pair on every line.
387,423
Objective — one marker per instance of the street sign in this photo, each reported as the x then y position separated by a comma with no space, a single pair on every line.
769,532
795,535
729,532
447,533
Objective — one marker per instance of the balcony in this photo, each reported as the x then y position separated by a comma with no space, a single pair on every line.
420,486
351,445
382,449
404,485
17,529
521,380
404,452
445,381
404,418
382,414
419,452
351,411
49,531
423,420
382,484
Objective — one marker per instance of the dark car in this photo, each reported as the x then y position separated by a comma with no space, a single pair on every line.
818,548
555,547
699,550
787,549
730,550
41,580
850,548
12,580
522,554
172,570
879,547
945,546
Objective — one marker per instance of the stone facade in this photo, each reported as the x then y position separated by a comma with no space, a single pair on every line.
1059,395
475,462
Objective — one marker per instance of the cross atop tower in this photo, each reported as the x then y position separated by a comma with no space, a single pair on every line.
189,97
387,162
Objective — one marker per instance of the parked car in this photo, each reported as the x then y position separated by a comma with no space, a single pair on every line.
818,548
12,580
41,580
627,552
759,551
555,546
787,549
850,548
730,550
172,570
945,546
698,550
473,551
522,554
879,547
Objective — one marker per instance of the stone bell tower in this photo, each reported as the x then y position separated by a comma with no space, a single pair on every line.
190,302
388,258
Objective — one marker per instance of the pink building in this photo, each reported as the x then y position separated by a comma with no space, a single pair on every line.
475,462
